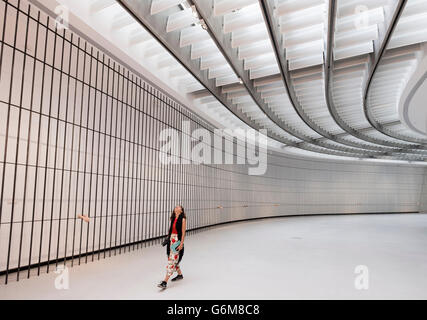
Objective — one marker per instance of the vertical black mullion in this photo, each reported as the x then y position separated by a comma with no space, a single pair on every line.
123,132
185,169
85,152
145,203
148,164
176,120
180,196
180,166
163,197
127,159
206,184
79,144
17,142
121,171
150,170
28,148
7,124
101,133
211,183
163,173
38,145
118,139
134,164
119,105
131,106
169,168
157,169
79,147
47,150
56,144
169,182
172,166
201,185
141,162
114,207
163,167
193,170
114,157
106,174
129,198
72,142
196,179
188,170
95,132
91,150
63,155
154,163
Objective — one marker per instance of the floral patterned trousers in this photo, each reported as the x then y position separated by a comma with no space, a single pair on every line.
173,257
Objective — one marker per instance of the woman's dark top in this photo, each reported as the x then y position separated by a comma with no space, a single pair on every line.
179,231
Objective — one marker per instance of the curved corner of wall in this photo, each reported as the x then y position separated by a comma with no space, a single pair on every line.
412,104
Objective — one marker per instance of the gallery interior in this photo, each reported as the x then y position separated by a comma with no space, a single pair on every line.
293,133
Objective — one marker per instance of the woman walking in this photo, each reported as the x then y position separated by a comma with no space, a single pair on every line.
175,245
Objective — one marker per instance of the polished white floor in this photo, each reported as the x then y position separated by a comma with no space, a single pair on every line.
311,257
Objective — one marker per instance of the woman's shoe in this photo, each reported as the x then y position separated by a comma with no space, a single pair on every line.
162,285
178,277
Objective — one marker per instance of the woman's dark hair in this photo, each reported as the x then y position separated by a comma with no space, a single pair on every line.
182,213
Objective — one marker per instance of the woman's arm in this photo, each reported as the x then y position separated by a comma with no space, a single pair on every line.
184,222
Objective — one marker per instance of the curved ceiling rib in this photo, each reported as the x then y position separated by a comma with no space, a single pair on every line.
141,11
329,67
377,57
353,64
268,13
340,136
205,9
198,45
157,25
